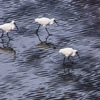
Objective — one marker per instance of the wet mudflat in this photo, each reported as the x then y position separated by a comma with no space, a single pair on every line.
31,70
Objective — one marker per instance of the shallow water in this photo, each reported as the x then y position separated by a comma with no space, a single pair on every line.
31,70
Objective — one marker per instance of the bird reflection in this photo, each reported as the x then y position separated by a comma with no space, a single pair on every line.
6,48
67,67
45,44
69,76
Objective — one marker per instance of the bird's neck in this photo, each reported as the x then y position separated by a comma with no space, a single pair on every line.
51,22
73,54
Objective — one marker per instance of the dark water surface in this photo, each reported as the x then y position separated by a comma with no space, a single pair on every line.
31,70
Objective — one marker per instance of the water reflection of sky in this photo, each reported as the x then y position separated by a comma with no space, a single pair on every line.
36,71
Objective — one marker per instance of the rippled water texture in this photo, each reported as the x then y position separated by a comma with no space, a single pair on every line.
31,70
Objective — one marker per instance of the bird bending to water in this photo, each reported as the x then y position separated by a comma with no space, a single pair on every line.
7,27
68,52
44,22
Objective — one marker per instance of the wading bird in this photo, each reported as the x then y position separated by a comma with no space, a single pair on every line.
68,52
44,22
7,27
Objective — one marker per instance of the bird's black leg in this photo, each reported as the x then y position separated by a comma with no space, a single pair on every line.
47,38
2,33
38,29
64,60
47,31
69,59
38,37
8,35
37,33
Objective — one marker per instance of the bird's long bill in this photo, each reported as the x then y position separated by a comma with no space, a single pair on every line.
56,22
77,54
16,26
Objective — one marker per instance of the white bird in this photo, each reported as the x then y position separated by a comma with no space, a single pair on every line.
68,52
7,27
44,22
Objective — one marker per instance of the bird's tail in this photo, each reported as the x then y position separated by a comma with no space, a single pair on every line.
0,26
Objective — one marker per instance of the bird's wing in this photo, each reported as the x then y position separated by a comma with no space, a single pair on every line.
67,51
44,21
6,26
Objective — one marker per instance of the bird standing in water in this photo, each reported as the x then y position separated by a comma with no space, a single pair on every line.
7,27
44,22
68,52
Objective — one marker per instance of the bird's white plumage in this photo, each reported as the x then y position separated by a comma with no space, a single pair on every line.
45,21
68,51
8,26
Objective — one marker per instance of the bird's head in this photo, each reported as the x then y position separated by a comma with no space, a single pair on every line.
13,22
74,52
52,21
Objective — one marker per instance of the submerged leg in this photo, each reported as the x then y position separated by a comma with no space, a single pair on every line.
38,37
38,29
69,59
37,33
47,38
47,31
